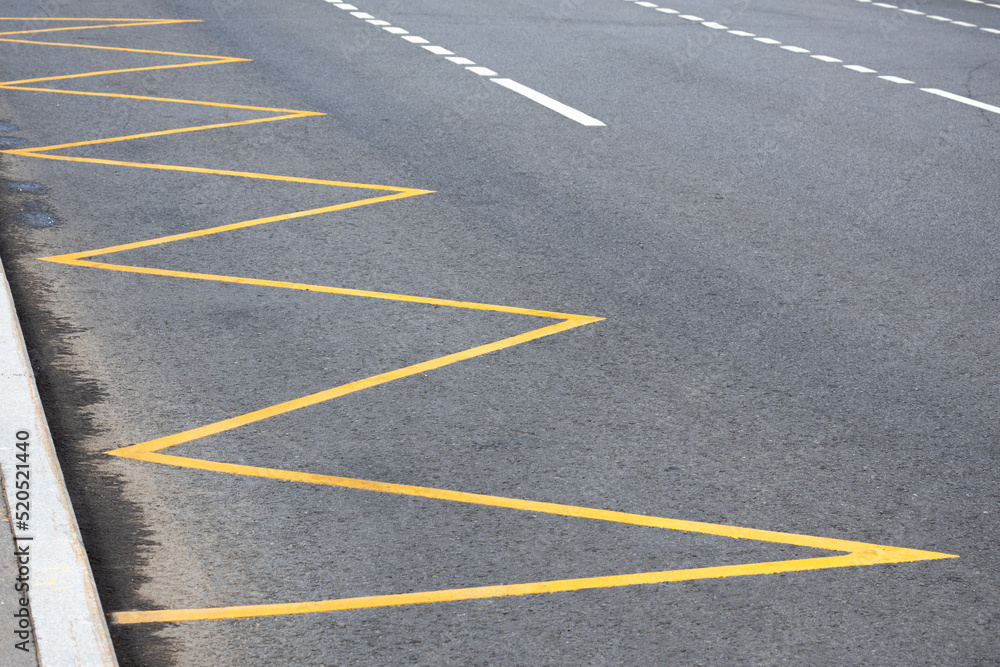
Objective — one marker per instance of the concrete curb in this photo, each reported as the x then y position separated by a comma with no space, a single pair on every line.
69,623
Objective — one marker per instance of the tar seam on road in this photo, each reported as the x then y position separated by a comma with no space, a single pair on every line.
852,553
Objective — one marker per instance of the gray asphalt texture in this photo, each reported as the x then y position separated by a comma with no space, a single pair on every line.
798,266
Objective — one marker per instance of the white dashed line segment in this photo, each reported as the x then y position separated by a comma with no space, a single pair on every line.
482,71
439,51
943,19
830,59
895,79
546,101
509,84
964,100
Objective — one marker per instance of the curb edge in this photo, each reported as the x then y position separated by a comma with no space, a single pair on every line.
68,619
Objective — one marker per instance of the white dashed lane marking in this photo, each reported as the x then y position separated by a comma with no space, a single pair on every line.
547,101
963,100
509,84
982,2
935,17
830,59
482,71
440,51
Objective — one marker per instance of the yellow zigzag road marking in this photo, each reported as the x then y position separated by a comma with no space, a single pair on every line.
854,553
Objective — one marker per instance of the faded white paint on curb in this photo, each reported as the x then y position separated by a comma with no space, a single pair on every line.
70,627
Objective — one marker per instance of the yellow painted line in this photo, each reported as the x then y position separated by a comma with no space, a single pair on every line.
483,592
84,75
99,20
172,100
152,446
74,258
95,47
857,553
872,553
160,133
305,287
218,172
95,27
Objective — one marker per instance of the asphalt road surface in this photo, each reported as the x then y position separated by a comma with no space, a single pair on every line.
474,332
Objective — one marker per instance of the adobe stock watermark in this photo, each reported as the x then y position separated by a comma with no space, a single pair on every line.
19,489
362,40
893,23
57,8
697,42
225,9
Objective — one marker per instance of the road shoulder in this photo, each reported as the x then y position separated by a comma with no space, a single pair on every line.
69,623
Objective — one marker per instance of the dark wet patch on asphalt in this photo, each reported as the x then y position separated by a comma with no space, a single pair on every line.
24,187
69,395
37,219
